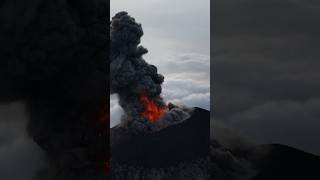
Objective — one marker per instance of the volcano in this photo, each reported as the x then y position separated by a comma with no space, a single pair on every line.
182,147
153,140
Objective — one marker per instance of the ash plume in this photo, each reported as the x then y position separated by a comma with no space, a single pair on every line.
53,57
132,77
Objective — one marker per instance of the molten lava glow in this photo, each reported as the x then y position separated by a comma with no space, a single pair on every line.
152,111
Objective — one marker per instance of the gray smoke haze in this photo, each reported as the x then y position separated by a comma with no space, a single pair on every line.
224,163
18,152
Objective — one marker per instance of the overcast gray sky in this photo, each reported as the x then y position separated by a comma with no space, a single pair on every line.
266,78
177,35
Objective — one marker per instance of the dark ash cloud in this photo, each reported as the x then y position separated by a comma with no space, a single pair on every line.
130,75
53,57
136,81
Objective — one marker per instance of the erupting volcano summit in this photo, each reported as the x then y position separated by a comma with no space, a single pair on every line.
136,82
154,140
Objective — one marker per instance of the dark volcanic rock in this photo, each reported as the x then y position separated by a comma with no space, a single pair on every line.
186,141
183,147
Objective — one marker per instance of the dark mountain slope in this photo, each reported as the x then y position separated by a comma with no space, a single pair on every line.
186,141
284,162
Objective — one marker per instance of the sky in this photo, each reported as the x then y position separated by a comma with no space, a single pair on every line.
266,70
177,35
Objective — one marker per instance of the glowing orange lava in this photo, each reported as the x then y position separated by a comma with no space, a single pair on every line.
152,111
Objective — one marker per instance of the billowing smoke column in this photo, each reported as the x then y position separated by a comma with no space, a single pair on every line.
132,78
136,82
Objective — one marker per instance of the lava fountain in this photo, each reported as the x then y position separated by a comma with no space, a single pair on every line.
152,111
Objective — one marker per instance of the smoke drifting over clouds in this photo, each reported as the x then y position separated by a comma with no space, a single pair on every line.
266,70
